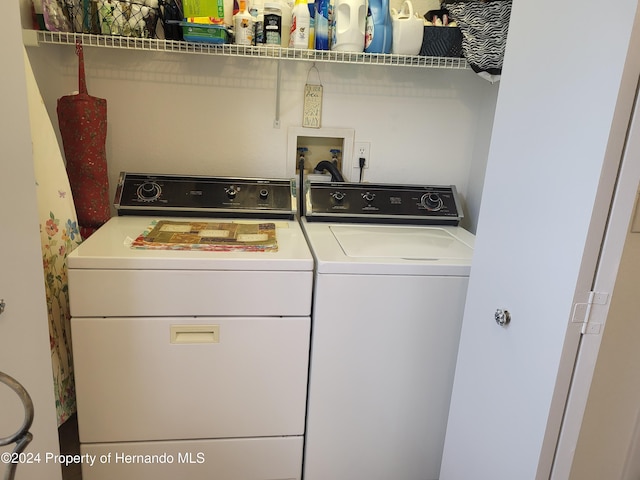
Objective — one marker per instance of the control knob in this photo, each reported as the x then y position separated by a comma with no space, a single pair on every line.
431,201
368,196
231,191
338,196
149,191
264,193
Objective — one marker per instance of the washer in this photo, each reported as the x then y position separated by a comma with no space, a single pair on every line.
193,363
392,268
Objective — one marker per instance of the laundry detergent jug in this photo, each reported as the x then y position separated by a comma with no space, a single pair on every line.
378,31
349,25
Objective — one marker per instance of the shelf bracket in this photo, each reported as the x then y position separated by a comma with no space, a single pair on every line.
276,121
30,38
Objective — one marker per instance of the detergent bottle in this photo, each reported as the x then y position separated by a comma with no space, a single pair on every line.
300,25
378,33
349,25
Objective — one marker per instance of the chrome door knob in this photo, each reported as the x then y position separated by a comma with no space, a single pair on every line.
503,317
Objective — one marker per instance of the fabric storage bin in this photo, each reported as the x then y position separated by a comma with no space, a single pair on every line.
441,42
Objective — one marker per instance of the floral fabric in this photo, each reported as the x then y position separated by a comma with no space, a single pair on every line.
59,236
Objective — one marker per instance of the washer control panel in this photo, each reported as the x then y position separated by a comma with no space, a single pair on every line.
148,194
383,203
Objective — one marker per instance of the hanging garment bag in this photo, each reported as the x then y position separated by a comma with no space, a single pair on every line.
83,126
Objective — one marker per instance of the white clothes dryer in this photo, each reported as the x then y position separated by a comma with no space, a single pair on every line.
391,275
191,344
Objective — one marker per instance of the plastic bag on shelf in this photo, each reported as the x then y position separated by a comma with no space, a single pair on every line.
56,16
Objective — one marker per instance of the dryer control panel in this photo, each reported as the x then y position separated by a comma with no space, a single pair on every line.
178,195
382,203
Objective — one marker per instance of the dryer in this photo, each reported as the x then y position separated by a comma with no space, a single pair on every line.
190,328
392,268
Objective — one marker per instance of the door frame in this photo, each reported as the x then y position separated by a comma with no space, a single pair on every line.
618,188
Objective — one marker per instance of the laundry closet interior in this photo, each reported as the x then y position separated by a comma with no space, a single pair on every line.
182,113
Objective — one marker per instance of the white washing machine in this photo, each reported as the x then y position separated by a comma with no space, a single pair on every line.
191,341
392,268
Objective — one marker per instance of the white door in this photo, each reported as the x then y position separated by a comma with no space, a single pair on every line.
24,340
552,166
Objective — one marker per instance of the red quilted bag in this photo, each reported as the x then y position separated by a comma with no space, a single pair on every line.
83,126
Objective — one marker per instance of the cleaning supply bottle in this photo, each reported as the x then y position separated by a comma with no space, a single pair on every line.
286,22
228,12
322,25
378,36
300,25
257,12
243,25
272,23
312,24
349,25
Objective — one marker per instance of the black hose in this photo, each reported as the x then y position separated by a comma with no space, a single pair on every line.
300,192
336,176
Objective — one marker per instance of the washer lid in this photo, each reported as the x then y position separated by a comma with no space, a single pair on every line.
400,242
350,248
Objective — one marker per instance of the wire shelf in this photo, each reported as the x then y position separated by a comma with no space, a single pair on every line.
271,52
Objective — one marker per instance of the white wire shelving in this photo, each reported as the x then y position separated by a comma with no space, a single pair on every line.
34,38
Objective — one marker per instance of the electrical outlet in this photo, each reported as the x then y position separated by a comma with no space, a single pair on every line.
361,150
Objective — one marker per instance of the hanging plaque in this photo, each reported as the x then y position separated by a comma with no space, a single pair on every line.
312,111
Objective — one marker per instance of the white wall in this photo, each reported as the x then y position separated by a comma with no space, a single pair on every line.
195,114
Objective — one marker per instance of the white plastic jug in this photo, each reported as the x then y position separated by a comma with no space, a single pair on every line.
408,30
348,30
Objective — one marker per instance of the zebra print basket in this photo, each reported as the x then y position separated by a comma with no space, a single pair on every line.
484,27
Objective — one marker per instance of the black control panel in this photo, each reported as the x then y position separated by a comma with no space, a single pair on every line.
178,195
382,203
